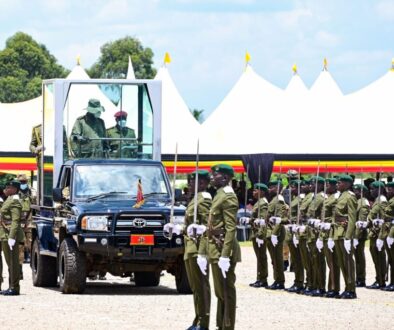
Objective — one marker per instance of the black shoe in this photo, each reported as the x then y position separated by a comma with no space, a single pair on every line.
285,265
375,286
305,290
360,284
309,292
260,284
348,295
332,294
10,292
388,288
291,288
275,286
318,293
295,289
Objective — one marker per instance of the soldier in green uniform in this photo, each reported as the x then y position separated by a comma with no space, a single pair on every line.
121,148
87,132
361,233
199,282
326,234
222,247
292,242
375,223
257,236
11,235
387,233
36,144
344,226
276,219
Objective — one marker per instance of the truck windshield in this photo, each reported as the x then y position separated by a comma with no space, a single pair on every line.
117,181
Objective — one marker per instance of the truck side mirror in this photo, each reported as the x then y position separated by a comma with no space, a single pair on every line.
57,195
178,194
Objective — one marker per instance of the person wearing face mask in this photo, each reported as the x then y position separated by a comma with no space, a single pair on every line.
87,132
121,146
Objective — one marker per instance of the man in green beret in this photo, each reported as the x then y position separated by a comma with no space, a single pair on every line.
11,235
276,219
222,248
327,234
361,233
258,235
344,226
196,224
375,222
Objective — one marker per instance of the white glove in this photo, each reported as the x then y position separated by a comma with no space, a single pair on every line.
201,229
365,224
11,243
294,228
316,223
355,243
295,241
259,222
359,224
330,245
224,265
276,220
326,226
274,240
389,241
202,263
377,222
244,220
348,245
379,244
177,229
301,228
38,148
319,244
167,227
190,229
259,242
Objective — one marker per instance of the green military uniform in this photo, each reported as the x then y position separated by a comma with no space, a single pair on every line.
378,257
1,257
344,227
11,229
222,242
198,282
387,230
119,148
36,144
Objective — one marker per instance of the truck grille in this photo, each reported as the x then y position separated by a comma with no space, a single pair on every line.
139,223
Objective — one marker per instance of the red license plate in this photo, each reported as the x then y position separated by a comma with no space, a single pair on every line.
142,240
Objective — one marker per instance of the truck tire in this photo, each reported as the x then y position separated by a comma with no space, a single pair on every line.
147,278
44,273
181,280
72,267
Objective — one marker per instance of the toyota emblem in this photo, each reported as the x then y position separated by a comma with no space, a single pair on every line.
139,222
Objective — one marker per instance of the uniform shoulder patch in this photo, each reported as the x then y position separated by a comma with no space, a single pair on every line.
265,200
15,197
302,196
366,202
206,195
228,190
280,198
383,198
351,193
337,194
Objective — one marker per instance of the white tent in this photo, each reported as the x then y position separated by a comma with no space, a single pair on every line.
296,86
130,70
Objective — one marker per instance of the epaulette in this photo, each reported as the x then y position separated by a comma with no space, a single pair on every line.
337,194
280,198
302,196
206,195
366,202
15,197
383,198
228,190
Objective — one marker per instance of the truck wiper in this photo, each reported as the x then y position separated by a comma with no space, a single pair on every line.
155,193
95,197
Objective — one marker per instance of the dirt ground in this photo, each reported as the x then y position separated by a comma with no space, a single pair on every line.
118,304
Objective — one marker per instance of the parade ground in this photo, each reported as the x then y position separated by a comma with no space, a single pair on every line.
117,304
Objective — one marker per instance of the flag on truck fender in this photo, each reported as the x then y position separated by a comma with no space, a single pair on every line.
140,196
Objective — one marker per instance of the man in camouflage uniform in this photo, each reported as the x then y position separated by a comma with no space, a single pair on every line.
375,223
222,248
36,144
387,233
199,282
121,148
258,234
361,233
87,132
344,226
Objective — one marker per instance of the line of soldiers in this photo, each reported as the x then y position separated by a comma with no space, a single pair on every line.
325,221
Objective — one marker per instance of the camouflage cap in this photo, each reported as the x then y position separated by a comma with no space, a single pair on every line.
260,186
13,183
345,178
202,174
292,173
223,168
22,177
377,184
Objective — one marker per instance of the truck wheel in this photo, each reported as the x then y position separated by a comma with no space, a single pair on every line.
147,278
43,268
72,267
181,280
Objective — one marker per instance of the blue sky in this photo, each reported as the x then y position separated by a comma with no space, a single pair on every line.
207,39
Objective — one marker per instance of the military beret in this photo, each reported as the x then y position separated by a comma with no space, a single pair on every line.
345,178
202,174
377,184
390,184
332,181
295,183
359,186
305,182
223,168
274,183
260,186
13,183
121,114
319,179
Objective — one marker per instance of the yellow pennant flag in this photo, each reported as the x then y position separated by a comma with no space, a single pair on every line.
325,64
78,59
392,64
294,68
167,58
247,57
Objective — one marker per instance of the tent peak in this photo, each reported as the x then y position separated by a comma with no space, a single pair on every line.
130,70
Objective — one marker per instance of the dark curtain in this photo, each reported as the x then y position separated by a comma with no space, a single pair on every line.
266,162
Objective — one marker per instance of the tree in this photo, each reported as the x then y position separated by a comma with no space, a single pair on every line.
197,114
114,60
23,65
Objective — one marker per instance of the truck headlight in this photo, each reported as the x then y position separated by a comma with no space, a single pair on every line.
178,219
95,222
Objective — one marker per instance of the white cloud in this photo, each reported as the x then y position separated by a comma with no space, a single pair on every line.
385,9
326,39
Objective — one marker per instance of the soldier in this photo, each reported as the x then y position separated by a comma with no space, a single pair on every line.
326,235
344,226
121,148
375,222
36,144
222,247
276,219
361,233
258,234
11,235
199,282
87,132
387,233
1,257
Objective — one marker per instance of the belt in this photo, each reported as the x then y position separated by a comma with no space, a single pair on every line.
217,232
341,220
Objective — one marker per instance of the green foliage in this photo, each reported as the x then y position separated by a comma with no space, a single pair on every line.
114,59
23,65
197,114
